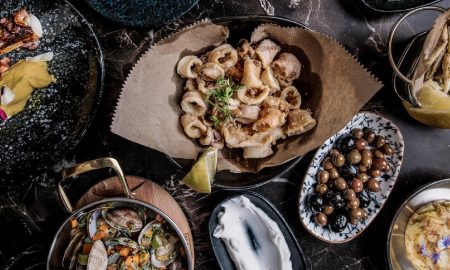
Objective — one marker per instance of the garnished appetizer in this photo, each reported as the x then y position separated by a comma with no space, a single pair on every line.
17,82
19,30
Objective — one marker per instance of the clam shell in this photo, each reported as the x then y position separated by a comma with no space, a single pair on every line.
124,219
71,250
98,258
157,263
145,229
123,241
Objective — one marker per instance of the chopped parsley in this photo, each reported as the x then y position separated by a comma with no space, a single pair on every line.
219,100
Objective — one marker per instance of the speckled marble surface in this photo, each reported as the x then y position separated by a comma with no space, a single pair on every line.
29,209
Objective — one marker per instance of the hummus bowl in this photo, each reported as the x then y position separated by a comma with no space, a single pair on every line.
396,251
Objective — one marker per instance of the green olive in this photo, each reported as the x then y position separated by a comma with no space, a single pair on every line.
328,210
360,144
340,184
362,168
387,149
333,173
333,152
350,194
357,133
379,163
378,154
363,177
369,136
379,141
357,214
321,189
366,160
353,203
375,173
327,164
323,177
373,185
357,185
338,160
354,157
321,219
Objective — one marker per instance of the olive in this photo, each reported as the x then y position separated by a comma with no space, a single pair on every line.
338,222
321,189
333,152
386,168
337,201
360,144
345,143
379,141
366,160
365,214
356,185
315,203
327,196
353,221
379,163
369,135
340,184
350,194
364,198
378,154
321,219
328,210
323,177
363,177
327,164
362,168
354,157
357,133
373,185
353,203
375,173
357,214
338,160
387,149
348,171
333,173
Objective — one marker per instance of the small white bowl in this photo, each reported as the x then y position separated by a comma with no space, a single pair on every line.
381,126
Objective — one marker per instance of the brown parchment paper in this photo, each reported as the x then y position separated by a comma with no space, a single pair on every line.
430,43
148,111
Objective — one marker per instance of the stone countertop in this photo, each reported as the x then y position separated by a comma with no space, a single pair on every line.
30,212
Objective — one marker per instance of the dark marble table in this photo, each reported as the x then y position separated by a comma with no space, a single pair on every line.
29,209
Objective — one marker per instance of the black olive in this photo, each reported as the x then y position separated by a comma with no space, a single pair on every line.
348,171
315,202
345,143
327,196
337,200
338,222
364,198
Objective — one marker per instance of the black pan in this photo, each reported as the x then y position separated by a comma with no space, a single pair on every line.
56,117
242,27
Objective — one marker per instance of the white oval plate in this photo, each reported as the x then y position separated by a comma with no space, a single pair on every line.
381,126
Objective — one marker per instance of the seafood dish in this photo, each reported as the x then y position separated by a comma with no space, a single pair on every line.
116,236
19,30
253,240
427,236
243,98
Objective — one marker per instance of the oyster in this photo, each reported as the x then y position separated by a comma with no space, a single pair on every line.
123,219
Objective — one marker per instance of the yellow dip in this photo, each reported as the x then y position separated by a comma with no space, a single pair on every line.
22,78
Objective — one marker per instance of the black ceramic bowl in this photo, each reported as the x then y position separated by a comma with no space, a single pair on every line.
56,117
242,27
224,260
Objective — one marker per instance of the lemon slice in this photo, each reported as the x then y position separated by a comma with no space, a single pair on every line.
435,109
200,177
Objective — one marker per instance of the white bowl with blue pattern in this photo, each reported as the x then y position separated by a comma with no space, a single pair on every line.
381,126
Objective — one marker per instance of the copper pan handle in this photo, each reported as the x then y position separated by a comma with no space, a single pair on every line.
87,166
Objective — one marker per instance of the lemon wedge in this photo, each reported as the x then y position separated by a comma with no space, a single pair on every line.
201,175
435,109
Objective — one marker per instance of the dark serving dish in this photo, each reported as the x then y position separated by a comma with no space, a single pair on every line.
56,117
396,6
240,27
223,259
141,13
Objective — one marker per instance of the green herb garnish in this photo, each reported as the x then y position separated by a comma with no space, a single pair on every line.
219,100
